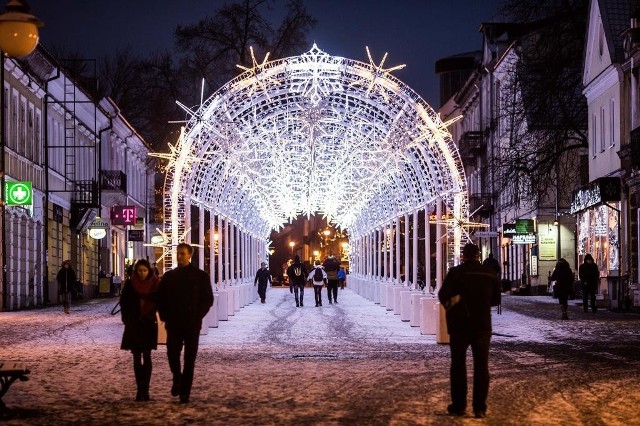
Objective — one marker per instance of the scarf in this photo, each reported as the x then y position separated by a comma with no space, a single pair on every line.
146,291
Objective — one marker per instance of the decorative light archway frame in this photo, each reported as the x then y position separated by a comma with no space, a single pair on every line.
314,134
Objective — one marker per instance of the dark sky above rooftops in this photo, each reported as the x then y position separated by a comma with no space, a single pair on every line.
414,32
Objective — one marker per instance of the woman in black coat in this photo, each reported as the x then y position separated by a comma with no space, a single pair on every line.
139,304
66,280
563,276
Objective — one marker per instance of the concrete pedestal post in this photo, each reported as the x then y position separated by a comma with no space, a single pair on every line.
405,304
212,315
416,309
442,334
382,288
388,289
236,298
222,305
428,320
397,305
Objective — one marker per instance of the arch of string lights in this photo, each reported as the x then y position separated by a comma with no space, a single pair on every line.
313,134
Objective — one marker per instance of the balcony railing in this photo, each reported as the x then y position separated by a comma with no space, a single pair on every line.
113,180
85,194
481,204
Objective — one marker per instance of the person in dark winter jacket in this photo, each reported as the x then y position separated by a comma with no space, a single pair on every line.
138,303
263,277
331,266
589,275
563,276
297,274
185,297
66,280
471,289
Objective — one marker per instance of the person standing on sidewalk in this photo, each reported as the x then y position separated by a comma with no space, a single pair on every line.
318,277
469,289
139,304
297,274
331,266
589,275
342,277
185,297
66,281
263,277
563,276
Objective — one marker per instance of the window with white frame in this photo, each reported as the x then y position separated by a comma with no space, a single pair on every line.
602,128
612,124
594,133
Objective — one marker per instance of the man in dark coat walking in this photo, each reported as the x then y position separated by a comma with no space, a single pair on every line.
263,277
468,292
589,275
185,297
297,274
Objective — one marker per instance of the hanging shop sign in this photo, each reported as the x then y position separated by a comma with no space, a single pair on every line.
525,226
123,215
523,239
136,235
18,193
599,191
98,228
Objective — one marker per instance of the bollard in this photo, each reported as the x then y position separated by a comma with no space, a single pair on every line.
223,305
442,334
212,315
428,315
382,289
405,304
388,289
397,303
415,309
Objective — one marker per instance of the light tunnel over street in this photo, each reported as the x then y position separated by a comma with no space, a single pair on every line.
314,134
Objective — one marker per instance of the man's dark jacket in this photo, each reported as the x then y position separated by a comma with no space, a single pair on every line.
263,276
297,280
184,297
479,289
589,274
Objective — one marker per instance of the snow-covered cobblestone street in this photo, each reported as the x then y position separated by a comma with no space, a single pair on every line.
351,363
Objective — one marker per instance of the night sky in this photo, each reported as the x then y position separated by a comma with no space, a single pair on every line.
414,32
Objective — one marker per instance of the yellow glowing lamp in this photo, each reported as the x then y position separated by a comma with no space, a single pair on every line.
18,29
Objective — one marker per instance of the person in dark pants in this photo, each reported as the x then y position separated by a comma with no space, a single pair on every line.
474,288
66,280
297,274
263,277
185,297
318,278
138,303
563,276
342,277
331,267
589,275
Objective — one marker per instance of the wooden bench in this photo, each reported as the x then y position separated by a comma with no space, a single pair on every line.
10,372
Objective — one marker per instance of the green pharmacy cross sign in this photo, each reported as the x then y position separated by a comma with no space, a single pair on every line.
18,193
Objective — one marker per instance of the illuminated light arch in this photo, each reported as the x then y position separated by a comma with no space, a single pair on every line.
315,134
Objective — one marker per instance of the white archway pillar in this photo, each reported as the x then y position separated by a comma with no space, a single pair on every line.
397,268
406,247
220,240
439,242
212,247
201,237
232,252
427,248
414,261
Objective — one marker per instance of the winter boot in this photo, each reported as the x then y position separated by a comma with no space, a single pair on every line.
139,372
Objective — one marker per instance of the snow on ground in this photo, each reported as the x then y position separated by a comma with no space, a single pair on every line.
351,363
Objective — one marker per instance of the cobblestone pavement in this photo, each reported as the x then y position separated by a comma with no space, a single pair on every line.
348,364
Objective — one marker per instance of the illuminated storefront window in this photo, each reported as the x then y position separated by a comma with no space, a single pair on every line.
598,235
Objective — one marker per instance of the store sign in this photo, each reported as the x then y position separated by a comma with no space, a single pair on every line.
547,246
98,228
123,215
18,193
523,239
599,191
508,230
525,226
136,235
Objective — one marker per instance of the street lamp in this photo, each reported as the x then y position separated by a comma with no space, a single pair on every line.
292,244
18,38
